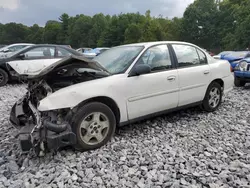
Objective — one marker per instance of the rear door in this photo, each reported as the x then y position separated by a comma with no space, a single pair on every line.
194,73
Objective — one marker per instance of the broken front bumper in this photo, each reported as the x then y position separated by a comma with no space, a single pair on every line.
35,130
17,114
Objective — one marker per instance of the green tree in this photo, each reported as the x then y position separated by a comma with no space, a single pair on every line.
132,33
14,33
199,24
51,32
35,34
64,36
79,31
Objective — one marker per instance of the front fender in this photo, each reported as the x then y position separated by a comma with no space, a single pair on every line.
71,96
61,100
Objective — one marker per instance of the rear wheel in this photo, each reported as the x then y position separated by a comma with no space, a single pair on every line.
238,82
213,97
94,125
3,77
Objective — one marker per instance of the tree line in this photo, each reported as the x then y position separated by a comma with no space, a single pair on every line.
211,24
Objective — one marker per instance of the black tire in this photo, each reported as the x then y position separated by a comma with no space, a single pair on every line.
205,105
83,113
238,82
4,77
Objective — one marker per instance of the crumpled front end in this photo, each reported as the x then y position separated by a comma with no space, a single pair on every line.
41,131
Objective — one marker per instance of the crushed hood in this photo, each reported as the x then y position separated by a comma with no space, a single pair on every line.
40,68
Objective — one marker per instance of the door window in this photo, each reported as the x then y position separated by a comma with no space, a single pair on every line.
41,52
157,57
63,52
202,56
188,55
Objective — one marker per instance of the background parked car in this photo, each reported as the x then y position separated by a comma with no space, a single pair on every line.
12,48
84,50
242,73
218,56
233,57
100,50
34,56
94,52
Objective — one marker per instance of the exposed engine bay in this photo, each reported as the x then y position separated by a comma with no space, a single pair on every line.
50,130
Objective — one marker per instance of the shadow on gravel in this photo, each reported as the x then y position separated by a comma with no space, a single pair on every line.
165,119
14,82
247,87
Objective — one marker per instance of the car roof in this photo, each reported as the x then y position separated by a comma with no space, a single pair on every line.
20,44
51,45
148,44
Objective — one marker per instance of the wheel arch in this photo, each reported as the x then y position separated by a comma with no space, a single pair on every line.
219,81
105,100
5,69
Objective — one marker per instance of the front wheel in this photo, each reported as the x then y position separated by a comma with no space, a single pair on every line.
238,82
213,97
94,125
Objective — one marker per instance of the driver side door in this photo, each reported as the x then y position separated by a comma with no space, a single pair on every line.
156,91
35,59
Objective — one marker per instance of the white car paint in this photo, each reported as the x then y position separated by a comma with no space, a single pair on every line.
31,67
145,94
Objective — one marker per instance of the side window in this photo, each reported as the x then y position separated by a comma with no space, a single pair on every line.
202,56
41,52
157,57
12,49
63,52
186,55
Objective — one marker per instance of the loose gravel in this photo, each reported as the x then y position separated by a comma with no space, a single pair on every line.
189,148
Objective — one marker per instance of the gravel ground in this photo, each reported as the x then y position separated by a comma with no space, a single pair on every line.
189,148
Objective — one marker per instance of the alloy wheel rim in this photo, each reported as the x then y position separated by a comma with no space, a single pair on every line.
214,97
94,128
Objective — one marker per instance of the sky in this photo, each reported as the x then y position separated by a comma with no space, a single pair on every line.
30,12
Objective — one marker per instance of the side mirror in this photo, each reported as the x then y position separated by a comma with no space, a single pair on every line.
6,50
140,69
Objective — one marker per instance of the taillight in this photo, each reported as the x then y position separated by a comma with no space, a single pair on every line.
231,69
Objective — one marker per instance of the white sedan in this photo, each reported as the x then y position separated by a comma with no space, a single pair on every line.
80,102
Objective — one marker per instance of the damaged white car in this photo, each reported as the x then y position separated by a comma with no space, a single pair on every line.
80,102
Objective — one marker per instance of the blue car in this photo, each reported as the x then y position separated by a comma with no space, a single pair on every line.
234,57
242,73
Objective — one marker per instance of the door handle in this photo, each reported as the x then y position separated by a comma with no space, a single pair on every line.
206,72
171,78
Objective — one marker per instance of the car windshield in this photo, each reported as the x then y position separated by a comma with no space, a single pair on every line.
240,54
118,59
